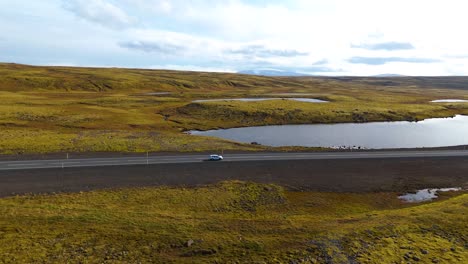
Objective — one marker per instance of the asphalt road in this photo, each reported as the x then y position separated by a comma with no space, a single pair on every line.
197,158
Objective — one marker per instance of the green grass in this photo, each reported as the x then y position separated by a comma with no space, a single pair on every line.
230,222
224,114
61,109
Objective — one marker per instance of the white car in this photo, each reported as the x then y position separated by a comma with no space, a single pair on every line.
216,157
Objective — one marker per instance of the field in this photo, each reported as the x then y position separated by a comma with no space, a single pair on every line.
231,222
59,109
46,110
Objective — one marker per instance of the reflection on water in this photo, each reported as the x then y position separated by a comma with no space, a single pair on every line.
425,195
450,101
293,94
436,132
308,100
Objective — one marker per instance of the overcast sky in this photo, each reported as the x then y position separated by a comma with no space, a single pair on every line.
323,37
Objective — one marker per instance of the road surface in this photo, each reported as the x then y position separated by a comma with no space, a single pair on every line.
197,158
390,171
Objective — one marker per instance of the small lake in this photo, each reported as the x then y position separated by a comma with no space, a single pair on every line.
308,100
436,132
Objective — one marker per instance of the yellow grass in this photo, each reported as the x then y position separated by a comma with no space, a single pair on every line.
229,222
47,109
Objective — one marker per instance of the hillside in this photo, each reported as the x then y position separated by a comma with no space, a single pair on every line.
16,77
64,109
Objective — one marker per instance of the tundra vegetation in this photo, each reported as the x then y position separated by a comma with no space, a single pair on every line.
61,109
231,222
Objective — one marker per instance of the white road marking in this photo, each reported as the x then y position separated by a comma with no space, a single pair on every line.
60,163
26,164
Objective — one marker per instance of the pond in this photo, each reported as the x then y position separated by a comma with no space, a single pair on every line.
425,195
436,132
308,100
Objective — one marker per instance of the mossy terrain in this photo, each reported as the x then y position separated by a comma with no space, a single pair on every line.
61,109
232,222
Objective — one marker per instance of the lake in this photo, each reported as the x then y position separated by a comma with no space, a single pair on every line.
435,132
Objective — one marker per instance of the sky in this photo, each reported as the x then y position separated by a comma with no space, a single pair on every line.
319,37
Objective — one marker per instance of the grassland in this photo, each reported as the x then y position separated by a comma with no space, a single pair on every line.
60,109
231,222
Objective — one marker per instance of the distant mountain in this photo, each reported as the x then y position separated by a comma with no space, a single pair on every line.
389,75
272,72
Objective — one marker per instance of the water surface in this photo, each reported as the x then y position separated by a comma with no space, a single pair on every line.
436,132
450,101
425,195
293,94
308,100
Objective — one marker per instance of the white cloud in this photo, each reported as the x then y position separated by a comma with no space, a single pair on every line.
99,11
203,33
191,68
157,6
222,52
320,28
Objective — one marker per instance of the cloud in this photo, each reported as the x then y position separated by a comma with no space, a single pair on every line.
157,6
240,34
261,51
195,68
316,69
309,69
385,60
100,12
296,69
451,56
156,47
164,42
321,62
385,46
